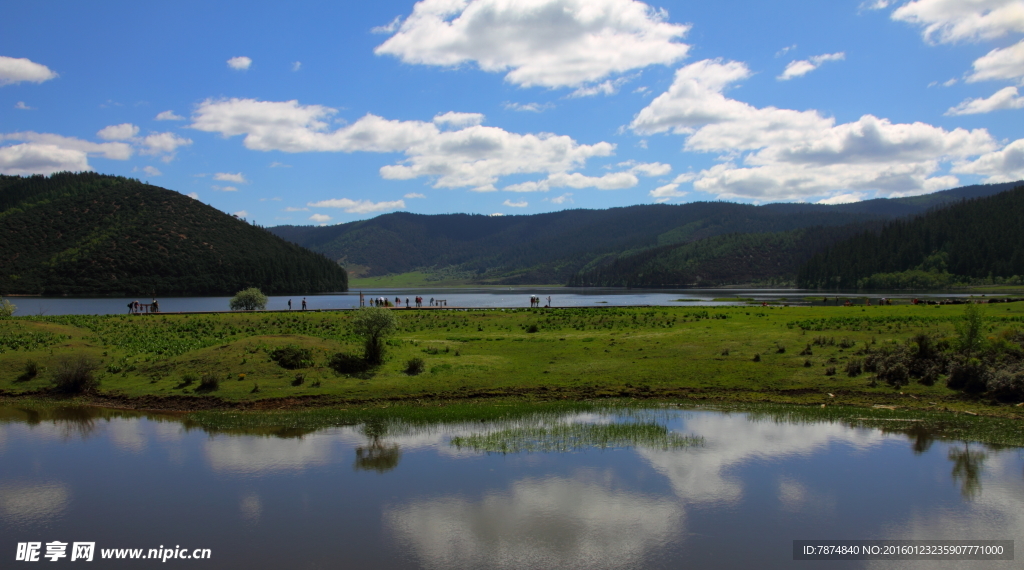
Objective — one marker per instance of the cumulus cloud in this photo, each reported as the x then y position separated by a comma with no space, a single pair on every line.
412,195
225,188
240,63
647,168
294,209
120,132
613,181
296,65
16,70
1002,63
474,156
29,158
547,43
458,120
512,204
843,198
609,87
237,177
389,28
563,199
193,195
152,171
169,116
163,143
528,107
320,218
1005,98
22,106
951,21
241,214
666,193
358,206
782,154
1004,165
276,164
801,67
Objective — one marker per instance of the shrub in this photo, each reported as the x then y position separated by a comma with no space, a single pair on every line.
1007,386
757,357
725,352
344,363
830,371
374,324
74,375
847,343
532,329
806,351
208,383
299,379
188,379
854,367
968,329
292,357
6,308
251,299
30,372
414,366
780,349
807,363
969,375
896,375
255,388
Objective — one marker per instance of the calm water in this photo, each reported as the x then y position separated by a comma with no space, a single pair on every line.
403,496
456,297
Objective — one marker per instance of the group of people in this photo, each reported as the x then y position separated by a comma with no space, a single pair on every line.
136,308
385,302
303,304
535,301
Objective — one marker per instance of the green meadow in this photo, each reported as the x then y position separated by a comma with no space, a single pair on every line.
708,355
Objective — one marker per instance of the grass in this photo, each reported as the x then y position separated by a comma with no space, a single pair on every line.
696,354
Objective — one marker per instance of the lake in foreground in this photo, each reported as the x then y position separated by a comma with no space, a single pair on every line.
662,487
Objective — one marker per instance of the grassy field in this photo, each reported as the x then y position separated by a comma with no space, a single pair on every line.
697,354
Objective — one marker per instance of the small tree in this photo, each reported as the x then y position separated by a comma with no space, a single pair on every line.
251,299
968,329
7,308
374,324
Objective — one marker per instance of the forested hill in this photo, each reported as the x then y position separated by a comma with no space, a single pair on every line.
974,239
89,233
552,248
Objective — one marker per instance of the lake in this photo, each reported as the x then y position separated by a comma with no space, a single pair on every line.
491,297
661,487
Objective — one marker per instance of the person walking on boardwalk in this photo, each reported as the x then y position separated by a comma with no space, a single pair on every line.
303,303
289,304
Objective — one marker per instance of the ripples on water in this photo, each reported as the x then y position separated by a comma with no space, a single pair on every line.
615,488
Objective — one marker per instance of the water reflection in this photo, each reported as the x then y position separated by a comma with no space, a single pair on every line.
538,523
968,466
377,455
28,503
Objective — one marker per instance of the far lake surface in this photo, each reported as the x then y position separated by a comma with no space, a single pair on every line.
662,487
491,297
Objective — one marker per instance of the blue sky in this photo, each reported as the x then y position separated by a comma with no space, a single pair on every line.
324,113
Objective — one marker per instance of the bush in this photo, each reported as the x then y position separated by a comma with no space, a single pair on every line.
854,367
807,363
74,375
897,375
6,308
188,379
968,329
208,383
344,363
299,379
292,357
30,372
807,351
532,329
969,375
414,366
251,299
830,371
1007,386
757,357
780,349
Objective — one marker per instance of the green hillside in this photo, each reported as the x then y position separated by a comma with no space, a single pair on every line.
553,248
89,233
981,239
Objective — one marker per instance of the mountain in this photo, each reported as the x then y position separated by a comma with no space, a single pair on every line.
553,248
972,239
89,233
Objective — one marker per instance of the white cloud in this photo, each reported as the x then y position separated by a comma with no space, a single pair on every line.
1001,63
120,132
163,143
294,209
193,195
781,154
609,87
458,120
528,107
951,21
239,63
152,171
296,65
547,43
22,106
241,214
785,50
496,214
950,82
412,195
225,188
474,157
31,158
1005,98
237,177
843,198
799,68
875,4
1004,165
276,164
666,193
612,181
512,204
564,198
169,116
16,70
111,150
358,206
320,218
647,168
389,28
